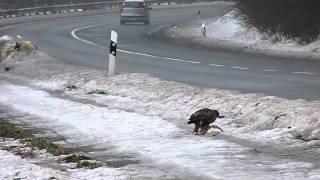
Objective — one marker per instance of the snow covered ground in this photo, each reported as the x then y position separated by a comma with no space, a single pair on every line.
14,167
146,117
229,32
151,137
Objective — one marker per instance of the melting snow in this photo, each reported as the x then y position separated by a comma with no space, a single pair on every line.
5,38
14,167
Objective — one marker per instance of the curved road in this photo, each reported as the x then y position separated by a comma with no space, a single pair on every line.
145,53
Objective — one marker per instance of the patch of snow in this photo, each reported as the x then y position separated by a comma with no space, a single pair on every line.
225,27
5,38
14,167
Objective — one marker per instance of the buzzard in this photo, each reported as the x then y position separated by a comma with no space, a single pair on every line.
203,118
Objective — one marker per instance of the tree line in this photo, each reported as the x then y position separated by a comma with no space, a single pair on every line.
298,20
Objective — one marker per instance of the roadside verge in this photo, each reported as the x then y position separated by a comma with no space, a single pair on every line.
229,33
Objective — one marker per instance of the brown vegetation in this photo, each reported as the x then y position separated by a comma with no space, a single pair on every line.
9,130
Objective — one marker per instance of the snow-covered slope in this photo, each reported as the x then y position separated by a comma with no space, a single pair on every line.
229,32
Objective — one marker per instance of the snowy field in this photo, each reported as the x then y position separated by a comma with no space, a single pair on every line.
146,116
229,32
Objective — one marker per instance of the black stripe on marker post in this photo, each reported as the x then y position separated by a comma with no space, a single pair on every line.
113,48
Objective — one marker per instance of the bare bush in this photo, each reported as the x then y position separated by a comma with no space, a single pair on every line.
298,20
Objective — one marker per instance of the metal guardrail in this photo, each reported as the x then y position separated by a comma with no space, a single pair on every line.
56,9
74,7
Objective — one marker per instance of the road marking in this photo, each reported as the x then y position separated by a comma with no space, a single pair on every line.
160,57
238,67
307,73
74,35
216,65
270,70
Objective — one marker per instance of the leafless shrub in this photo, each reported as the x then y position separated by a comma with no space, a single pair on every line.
297,20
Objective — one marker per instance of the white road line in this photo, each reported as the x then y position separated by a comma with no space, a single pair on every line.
74,35
307,73
270,70
160,57
238,67
216,65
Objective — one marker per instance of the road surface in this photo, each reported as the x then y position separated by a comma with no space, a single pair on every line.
147,53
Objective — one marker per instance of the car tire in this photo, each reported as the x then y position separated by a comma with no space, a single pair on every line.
146,22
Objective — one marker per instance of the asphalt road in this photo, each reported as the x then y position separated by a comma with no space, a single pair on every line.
288,78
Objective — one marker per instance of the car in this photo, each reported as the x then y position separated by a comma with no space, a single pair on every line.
134,11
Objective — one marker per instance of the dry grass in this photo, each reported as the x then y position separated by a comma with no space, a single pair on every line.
9,130
82,161
27,47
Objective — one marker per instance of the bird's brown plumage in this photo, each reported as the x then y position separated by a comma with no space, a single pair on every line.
203,118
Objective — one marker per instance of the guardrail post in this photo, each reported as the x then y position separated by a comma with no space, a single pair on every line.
113,52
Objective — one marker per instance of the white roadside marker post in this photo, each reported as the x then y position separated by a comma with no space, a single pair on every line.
113,52
204,29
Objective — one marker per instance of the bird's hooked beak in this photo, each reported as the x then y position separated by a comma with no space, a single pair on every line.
187,123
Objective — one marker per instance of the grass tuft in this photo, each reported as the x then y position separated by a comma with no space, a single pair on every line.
88,165
9,130
82,161
74,158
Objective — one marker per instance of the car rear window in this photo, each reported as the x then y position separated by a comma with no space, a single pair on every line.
134,4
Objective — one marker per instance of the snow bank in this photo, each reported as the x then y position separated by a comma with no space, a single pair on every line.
247,115
230,28
225,27
229,32
5,38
